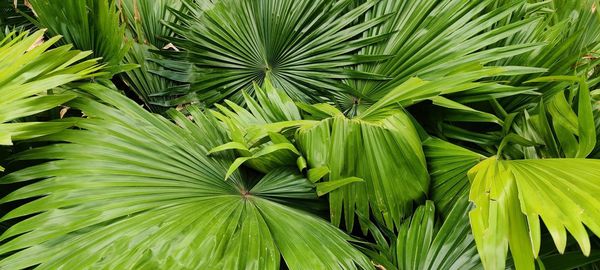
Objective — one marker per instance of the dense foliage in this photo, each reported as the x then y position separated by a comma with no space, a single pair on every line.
305,134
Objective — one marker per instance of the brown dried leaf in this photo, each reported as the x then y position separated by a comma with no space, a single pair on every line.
64,111
379,267
170,46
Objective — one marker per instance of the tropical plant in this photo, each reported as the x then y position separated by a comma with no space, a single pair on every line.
425,243
277,134
88,25
144,19
306,46
12,18
159,180
31,73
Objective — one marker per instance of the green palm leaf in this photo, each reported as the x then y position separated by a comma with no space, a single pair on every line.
141,80
570,31
564,126
88,25
272,112
423,244
426,242
29,69
131,190
365,146
337,149
431,39
512,195
145,21
386,153
305,46
448,166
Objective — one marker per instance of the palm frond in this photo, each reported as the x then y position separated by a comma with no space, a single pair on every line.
145,25
424,241
386,153
562,127
570,31
431,39
512,195
423,244
334,147
88,25
29,70
146,19
305,46
448,166
148,196
272,112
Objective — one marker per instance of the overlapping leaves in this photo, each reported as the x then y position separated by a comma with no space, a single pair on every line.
448,166
511,196
425,241
359,153
87,25
223,188
29,69
145,21
306,47
329,144
131,190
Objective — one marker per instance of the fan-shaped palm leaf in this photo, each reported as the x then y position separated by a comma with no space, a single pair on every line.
512,195
385,152
366,146
29,69
431,39
272,111
336,148
306,46
131,190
